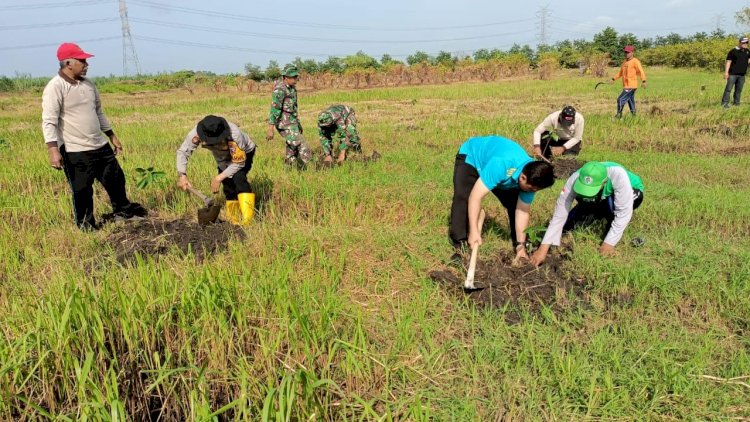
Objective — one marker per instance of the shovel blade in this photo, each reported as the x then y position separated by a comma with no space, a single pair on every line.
208,215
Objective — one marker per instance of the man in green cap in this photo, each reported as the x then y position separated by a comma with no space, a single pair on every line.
338,125
283,117
604,190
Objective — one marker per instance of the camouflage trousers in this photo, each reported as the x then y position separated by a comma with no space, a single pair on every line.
296,147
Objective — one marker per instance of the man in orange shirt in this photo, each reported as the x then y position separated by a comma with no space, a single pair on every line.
630,70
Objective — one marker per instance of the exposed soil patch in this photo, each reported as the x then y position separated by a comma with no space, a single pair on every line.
722,130
736,150
150,237
352,158
656,111
564,167
522,287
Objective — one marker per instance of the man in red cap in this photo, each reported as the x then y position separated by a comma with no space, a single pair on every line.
630,70
72,124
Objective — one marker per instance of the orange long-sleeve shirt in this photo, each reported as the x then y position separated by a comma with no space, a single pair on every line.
629,72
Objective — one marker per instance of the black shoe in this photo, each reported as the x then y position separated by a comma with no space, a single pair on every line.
89,227
618,116
457,259
129,211
725,105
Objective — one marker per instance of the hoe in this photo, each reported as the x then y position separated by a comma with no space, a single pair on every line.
469,283
210,212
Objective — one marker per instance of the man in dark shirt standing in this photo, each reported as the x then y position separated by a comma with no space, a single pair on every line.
734,71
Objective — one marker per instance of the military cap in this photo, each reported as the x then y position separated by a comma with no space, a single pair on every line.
290,70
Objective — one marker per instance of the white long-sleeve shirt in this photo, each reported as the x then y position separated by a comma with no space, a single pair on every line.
573,133
72,114
623,193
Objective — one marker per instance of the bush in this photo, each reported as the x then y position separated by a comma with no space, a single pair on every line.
548,64
6,84
708,54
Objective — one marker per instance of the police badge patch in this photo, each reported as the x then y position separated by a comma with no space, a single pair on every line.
238,155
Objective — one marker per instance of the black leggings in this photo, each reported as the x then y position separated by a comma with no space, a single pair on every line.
464,178
238,183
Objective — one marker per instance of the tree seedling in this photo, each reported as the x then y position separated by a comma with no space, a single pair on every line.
148,176
534,236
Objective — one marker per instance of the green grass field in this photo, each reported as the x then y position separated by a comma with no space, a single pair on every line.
325,311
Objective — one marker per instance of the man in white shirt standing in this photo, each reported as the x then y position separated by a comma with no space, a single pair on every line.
72,123
560,133
603,190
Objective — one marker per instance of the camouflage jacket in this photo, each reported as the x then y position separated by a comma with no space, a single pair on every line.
340,121
283,112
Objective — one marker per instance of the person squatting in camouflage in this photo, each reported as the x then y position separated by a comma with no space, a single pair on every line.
283,117
338,125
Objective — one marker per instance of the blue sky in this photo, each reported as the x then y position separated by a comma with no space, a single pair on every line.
222,36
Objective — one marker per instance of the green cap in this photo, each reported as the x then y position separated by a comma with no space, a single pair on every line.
325,119
290,70
591,177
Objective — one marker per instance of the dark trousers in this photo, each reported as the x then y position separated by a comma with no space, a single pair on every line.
585,214
546,143
238,183
81,169
626,96
464,178
736,82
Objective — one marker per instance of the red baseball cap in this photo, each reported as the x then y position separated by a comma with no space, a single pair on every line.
68,50
628,49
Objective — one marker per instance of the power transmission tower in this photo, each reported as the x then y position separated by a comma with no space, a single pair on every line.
719,19
543,15
128,49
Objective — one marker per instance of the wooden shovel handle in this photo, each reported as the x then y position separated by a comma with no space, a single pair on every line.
199,194
474,252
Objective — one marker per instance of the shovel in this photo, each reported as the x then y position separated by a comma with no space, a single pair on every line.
210,212
469,283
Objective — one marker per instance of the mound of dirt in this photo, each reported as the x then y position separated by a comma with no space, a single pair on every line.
521,287
722,130
564,167
152,237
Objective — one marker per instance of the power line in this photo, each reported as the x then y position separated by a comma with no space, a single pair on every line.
47,25
332,40
225,47
25,47
235,16
51,5
595,27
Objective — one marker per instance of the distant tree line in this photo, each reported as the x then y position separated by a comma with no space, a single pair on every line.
701,50
570,54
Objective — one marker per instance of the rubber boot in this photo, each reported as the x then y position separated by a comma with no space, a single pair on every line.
247,207
233,212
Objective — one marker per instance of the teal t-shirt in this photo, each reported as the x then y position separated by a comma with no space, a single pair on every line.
499,162
635,180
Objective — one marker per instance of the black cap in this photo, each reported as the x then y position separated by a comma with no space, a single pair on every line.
213,130
567,115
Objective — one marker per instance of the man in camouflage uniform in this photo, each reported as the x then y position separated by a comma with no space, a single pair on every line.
283,117
338,125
